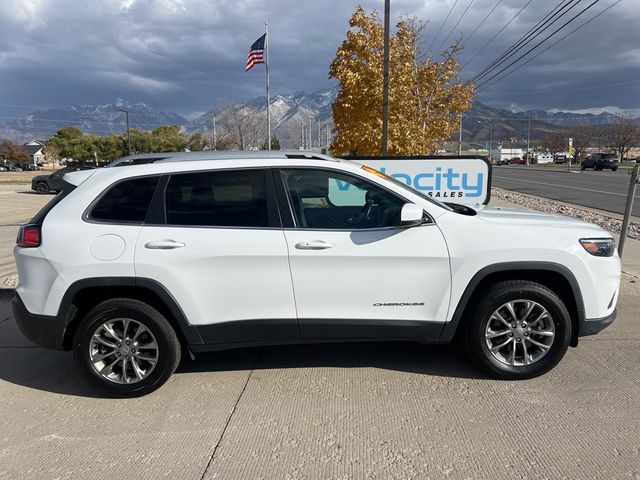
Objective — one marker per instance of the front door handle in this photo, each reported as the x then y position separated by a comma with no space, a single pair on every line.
163,245
313,245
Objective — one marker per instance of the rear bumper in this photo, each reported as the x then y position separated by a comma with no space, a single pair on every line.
591,326
43,330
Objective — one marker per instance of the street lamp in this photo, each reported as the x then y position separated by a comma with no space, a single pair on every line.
126,114
490,137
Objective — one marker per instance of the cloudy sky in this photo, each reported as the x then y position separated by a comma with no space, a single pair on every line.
188,55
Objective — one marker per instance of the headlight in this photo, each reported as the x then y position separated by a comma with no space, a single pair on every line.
599,247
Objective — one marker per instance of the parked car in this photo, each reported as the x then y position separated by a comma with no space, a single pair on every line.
518,161
7,167
599,161
29,167
54,181
206,251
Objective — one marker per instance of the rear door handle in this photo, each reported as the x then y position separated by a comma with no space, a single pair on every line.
163,245
313,245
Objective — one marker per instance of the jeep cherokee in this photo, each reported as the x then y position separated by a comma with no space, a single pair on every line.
132,265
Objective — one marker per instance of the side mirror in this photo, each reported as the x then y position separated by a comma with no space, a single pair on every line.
411,215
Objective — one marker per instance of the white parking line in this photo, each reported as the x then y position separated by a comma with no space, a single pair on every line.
561,186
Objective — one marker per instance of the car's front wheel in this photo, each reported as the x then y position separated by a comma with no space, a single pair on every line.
126,348
518,330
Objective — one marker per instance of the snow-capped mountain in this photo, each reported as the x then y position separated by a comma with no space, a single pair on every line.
289,113
98,119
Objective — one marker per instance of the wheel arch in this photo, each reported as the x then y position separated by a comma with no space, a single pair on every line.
555,276
84,294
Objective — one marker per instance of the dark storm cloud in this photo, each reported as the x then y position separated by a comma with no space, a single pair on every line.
187,55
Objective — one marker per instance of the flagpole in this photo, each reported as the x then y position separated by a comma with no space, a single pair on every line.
266,69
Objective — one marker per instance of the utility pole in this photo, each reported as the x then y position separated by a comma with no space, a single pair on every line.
460,139
126,114
214,137
528,136
491,140
302,136
385,79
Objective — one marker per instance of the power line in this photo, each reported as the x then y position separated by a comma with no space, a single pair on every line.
537,45
575,89
496,34
481,23
455,26
554,44
547,21
524,118
442,25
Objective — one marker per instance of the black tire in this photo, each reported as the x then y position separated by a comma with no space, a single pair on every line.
582,167
614,169
497,295
42,188
168,351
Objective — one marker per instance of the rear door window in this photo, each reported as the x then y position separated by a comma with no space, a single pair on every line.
224,198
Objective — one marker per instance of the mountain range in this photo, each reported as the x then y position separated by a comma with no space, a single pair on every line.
288,113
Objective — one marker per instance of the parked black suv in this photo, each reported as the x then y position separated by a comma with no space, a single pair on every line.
598,161
53,182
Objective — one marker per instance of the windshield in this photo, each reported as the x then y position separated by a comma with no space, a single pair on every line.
405,187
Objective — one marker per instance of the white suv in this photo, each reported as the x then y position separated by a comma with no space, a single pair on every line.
129,266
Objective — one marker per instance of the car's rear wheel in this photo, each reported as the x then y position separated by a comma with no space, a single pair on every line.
518,330
126,348
614,169
42,188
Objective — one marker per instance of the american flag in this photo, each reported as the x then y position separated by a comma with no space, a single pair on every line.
256,54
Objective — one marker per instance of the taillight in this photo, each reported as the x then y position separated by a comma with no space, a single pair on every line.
29,236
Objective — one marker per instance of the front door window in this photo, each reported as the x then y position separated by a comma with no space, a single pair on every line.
322,199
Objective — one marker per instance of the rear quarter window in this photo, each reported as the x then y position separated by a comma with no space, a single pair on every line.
126,201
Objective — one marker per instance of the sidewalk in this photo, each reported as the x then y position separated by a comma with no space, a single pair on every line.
631,254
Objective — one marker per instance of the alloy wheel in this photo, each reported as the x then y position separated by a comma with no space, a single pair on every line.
520,332
123,351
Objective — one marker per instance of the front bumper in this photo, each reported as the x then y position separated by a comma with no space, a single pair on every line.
591,326
43,330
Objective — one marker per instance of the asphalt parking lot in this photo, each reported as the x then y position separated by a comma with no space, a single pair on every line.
371,411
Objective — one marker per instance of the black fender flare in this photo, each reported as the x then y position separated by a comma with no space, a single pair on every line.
66,310
449,328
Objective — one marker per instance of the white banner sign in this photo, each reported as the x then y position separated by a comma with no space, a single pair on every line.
464,180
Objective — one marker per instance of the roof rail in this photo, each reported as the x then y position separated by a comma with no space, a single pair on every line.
145,158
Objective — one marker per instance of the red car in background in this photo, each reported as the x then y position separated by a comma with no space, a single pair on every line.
518,161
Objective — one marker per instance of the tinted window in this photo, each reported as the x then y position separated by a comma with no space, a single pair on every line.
126,201
332,200
233,198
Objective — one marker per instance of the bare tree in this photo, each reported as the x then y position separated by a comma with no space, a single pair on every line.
554,142
584,136
51,154
243,125
13,153
624,135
